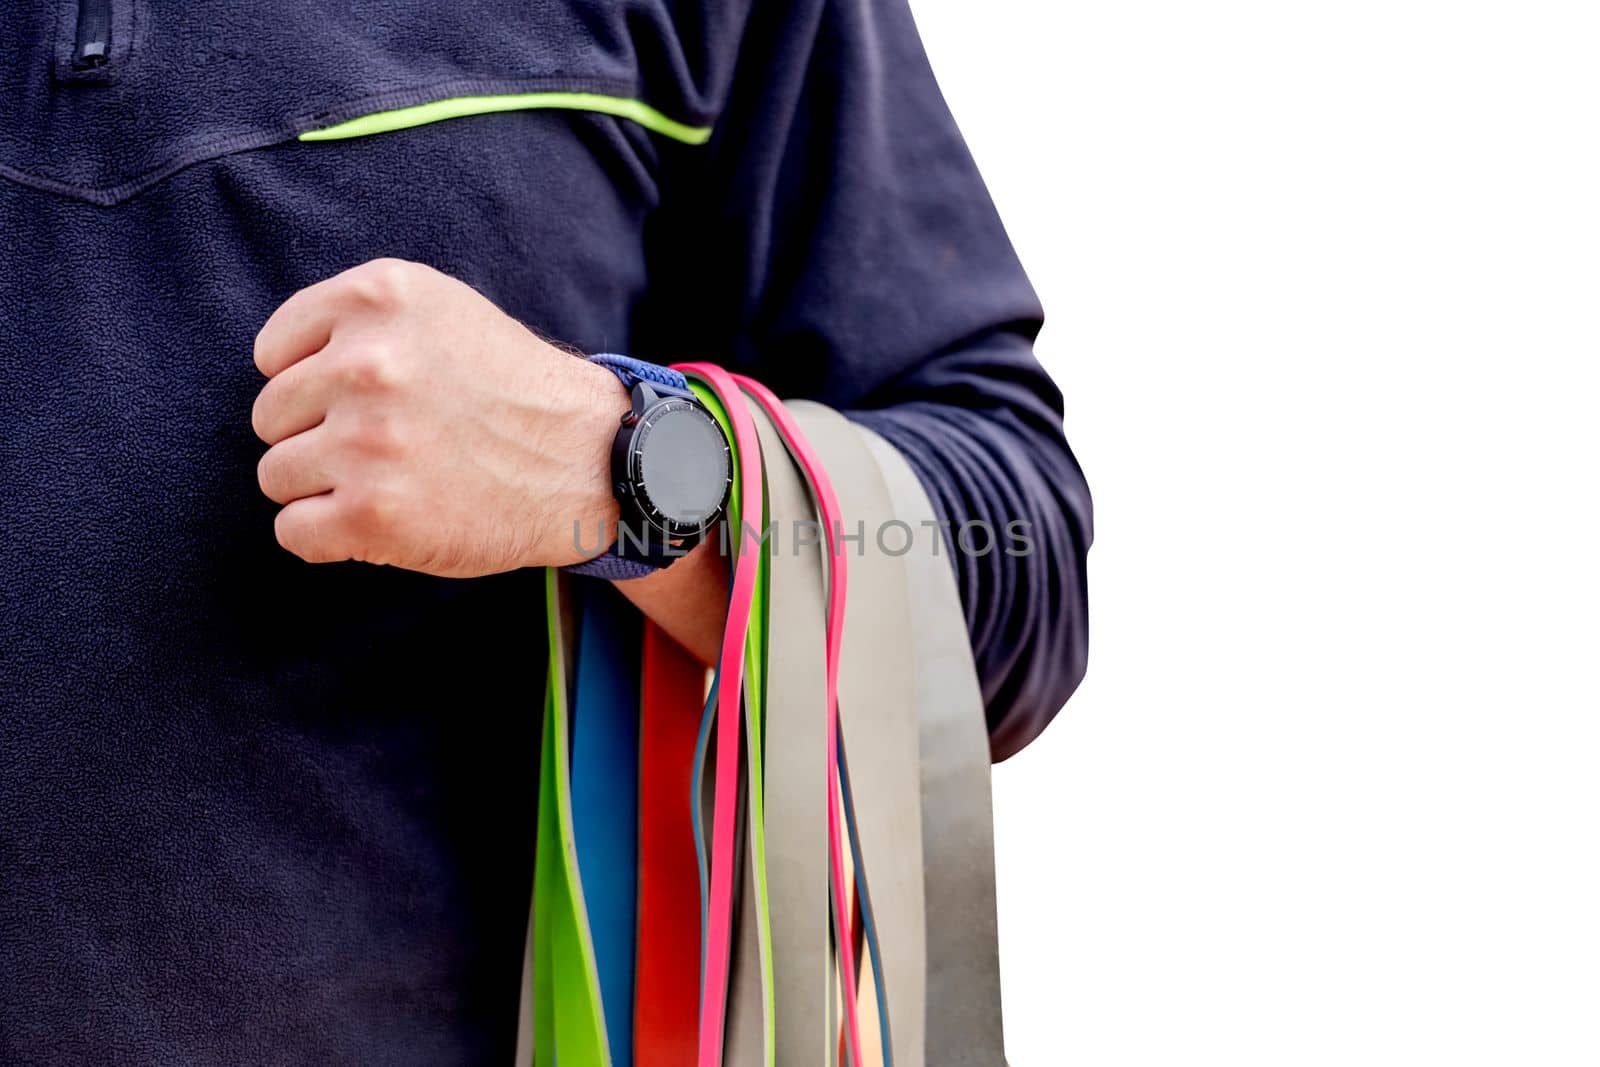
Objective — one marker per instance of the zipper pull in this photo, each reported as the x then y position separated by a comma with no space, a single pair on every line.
93,47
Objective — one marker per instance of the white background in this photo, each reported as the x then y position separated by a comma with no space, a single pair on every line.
1324,295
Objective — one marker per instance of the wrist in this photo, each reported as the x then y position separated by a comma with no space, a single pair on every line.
592,525
671,471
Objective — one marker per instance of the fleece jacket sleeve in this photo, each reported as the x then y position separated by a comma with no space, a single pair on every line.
836,240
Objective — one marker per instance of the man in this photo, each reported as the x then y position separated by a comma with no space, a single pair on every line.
262,800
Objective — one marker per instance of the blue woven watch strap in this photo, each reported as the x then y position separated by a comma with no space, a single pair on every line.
632,370
608,565
611,567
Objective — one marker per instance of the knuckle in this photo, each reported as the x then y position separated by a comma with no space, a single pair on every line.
258,417
284,531
258,353
269,475
267,348
293,536
268,409
383,284
374,366
373,433
372,510
313,540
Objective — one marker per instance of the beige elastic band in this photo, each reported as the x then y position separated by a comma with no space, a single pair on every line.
878,722
964,1011
795,768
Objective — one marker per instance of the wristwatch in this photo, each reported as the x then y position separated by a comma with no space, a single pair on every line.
671,471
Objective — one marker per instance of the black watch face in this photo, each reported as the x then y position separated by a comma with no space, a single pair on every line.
683,466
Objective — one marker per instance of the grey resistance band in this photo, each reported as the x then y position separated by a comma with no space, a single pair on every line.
964,1009
878,721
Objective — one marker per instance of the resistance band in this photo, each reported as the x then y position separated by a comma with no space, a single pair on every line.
667,976
695,955
749,1034
797,764
878,727
567,1012
605,775
719,920
963,966
838,576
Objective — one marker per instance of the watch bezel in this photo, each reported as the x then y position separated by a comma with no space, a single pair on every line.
634,494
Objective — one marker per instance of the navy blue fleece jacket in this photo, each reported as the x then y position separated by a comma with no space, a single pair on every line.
255,811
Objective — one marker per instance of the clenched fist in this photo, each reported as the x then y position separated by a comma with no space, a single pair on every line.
413,423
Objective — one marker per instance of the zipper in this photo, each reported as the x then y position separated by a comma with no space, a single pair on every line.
92,49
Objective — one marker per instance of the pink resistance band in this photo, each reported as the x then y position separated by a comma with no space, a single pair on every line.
719,918
828,506
714,981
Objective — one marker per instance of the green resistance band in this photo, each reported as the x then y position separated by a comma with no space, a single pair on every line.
752,974
567,1010
569,1024
796,770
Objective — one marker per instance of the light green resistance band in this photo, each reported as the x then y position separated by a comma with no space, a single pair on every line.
461,106
755,687
569,1021
755,724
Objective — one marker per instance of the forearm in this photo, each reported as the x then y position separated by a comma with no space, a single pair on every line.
688,600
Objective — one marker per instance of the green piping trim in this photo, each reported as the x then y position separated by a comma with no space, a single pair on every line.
461,106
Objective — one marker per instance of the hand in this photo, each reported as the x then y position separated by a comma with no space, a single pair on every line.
413,423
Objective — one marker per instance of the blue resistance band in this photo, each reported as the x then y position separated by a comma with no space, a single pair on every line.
605,797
